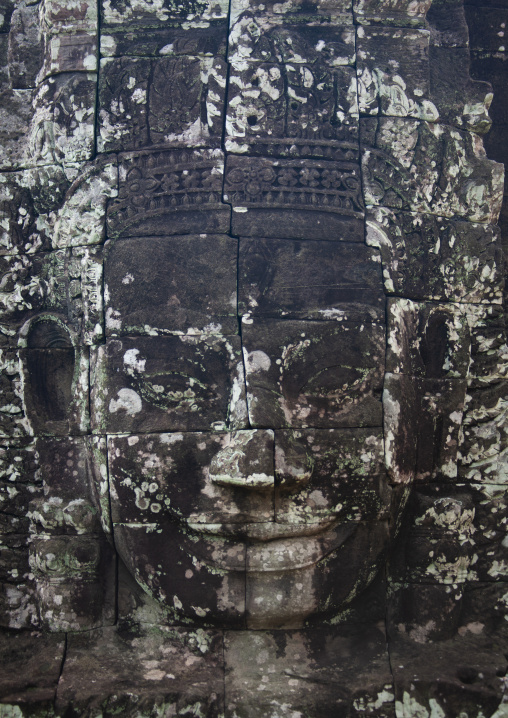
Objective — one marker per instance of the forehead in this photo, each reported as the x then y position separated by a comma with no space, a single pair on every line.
237,241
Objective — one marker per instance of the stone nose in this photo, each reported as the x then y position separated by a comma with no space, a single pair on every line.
246,461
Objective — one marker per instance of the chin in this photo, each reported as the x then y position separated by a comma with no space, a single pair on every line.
252,575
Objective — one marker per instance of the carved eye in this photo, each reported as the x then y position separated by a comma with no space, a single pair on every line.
252,120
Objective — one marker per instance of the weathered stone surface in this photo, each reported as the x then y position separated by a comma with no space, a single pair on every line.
486,30
26,215
294,13
294,199
425,613
294,523
68,53
15,116
25,47
438,548
467,105
455,534
428,340
422,418
174,285
55,379
179,183
70,501
18,600
493,67
307,673
146,14
199,581
56,134
302,374
325,475
19,484
6,9
448,26
454,676
60,16
488,346
31,671
75,581
13,421
422,167
426,257
483,441
403,13
300,110
68,282
169,101
170,670
393,73
281,36
123,88
187,383
490,554
81,220
308,280
174,39
193,478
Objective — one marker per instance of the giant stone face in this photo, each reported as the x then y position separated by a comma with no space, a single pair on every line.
255,298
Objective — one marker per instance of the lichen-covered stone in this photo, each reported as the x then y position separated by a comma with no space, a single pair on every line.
200,582
56,135
393,73
74,578
292,110
180,183
295,199
148,14
329,475
428,340
422,419
194,478
423,167
458,675
13,421
174,285
183,383
483,449
428,257
308,280
81,218
281,36
290,379
19,483
170,670
25,46
402,13
68,53
68,282
467,105
15,117
307,672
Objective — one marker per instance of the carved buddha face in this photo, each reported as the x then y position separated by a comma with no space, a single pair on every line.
260,398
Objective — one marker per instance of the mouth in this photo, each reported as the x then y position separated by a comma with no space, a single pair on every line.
263,531
272,547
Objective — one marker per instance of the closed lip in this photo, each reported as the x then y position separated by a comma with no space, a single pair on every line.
277,548
262,531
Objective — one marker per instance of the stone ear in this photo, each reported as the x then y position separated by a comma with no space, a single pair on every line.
50,364
435,345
